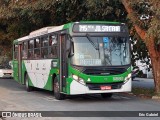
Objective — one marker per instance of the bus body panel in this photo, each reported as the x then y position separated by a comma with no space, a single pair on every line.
15,70
38,71
97,80
77,88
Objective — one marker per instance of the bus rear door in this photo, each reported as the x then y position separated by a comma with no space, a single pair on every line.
20,63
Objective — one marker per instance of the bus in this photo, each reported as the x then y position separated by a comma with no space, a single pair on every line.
86,57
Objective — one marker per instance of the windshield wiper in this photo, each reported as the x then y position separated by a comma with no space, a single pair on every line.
90,40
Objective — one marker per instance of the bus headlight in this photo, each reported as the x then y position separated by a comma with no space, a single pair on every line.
127,78
80,80
75,77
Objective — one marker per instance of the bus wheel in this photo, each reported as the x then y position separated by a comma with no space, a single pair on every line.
106,95
28,88
57,94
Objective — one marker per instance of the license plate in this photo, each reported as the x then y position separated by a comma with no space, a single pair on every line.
106,88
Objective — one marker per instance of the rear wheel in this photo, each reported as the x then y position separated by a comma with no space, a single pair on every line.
57,94
106,95
28,88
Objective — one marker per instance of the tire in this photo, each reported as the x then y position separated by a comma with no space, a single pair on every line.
28,88
57,94
106,95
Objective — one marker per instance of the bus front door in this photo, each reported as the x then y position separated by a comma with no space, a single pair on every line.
63,62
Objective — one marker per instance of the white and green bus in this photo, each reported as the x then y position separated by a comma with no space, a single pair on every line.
84,57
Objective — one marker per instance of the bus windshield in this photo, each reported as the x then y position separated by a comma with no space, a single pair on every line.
101,51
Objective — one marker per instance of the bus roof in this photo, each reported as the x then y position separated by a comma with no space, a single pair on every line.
100,22
40,31
57,28
51,29
23,38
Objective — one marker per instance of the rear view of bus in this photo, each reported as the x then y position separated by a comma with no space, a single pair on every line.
88,57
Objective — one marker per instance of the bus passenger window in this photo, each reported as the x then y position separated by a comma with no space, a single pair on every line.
44,53
31,48
53,52
16,52
53,46
37,43
30,54
24,50
37,48
31,44
24,54
37,53
52,40
44,42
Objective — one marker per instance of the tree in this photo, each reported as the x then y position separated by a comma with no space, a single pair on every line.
145,18
19,17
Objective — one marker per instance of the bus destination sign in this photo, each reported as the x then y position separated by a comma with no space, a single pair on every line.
96,28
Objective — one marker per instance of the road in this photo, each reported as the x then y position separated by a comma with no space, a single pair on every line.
13,97
143,82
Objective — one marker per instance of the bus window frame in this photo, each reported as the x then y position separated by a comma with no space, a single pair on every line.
44,56
50,46
16,51
25,49
37,47
30,49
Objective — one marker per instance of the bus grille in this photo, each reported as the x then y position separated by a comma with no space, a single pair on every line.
97,86
104,72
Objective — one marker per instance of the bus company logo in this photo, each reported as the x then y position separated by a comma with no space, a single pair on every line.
6,114
89,80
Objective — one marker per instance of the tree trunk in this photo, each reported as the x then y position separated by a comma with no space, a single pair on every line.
156,73
150,43
155,61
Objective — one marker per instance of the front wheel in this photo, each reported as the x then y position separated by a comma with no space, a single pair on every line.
106,95
57,94
28,88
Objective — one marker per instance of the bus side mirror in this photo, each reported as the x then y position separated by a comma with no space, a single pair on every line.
72,49
68,45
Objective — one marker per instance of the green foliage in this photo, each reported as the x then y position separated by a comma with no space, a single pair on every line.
140,53
148,12
24,16
19,18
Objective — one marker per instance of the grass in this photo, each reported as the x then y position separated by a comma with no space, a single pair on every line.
143,92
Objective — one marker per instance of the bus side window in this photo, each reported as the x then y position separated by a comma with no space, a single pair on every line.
30,49
53,46
24,50
16,52
37,48
36,53
37,43
44,52
44,47
30,54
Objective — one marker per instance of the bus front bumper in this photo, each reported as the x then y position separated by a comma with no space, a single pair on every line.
77,88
